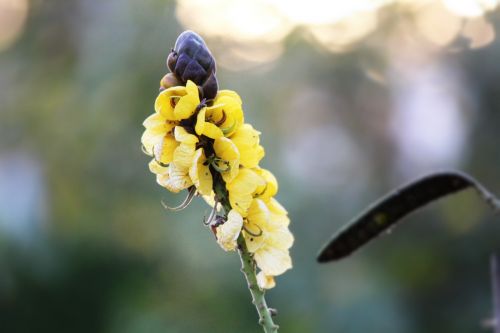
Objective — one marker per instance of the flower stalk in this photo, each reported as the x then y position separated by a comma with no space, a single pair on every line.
248,267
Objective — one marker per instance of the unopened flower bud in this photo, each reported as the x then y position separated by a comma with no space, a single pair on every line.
191,60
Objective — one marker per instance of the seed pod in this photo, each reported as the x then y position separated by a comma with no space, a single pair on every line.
191,60
388,211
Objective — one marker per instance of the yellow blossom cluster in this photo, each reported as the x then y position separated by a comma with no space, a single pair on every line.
196,143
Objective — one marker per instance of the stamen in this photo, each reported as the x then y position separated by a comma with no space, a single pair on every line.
229,129
212,216
165,165
160,163
145,151
256,195
252,233
185,203
174,100
222,120
217,167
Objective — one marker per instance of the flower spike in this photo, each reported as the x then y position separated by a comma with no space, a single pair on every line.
198,140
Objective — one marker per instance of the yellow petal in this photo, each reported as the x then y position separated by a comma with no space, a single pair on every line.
228,93
186,106
166,101
228,105
183,156
273,261
256,224
270,188
206,128
246,138
178,179
154,120
156,168
150,139
265,281
279,215
200,173
228,233
183,136
212,131
164,151
242,188
280,238
233,170
200,121
157,127
226,149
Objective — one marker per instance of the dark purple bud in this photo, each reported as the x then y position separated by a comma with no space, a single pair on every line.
210,87
191,60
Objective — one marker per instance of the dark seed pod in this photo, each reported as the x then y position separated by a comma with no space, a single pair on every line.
388,211
191,60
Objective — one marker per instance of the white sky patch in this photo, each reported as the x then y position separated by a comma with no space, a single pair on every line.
428,125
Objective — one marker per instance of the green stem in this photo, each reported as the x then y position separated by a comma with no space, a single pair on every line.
247,265
258,299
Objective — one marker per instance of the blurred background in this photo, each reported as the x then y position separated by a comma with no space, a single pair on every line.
352,97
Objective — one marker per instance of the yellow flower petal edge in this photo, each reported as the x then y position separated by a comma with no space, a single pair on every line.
246,138
265,281
187,104
229,158
242,188
228,232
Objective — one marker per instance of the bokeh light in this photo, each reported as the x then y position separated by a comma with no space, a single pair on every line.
335,25
13,15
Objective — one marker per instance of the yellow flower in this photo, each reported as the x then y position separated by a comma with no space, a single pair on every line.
268,239
158,139
176,176
228,158
171,106
178,103
223,118
246,139
228,232
242,188
227,111
270,188
206,128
